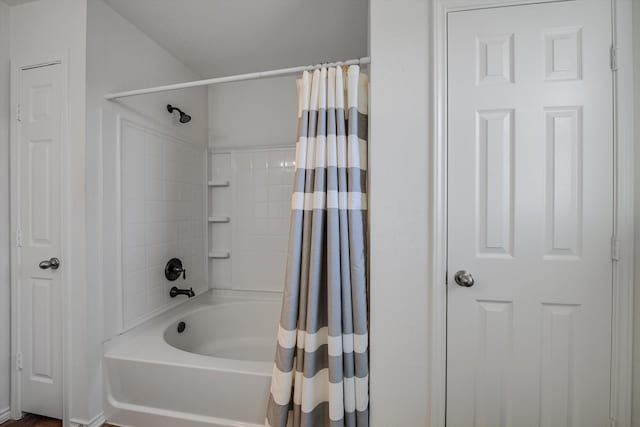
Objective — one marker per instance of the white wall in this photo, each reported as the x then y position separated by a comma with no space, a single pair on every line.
5,284
254,113
399,207
119,57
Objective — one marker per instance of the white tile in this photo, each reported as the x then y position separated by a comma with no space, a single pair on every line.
163,216
186,248
155,190
135,258
221,166
261,227
155,277
172,163
134,234
274,177
157,298
134,186
260,159
135,306
158,211
179,211
275,209
161,232
261,192
155,158
260,218
220,237
259,175
135,211
174,190
220,273
261,210
199,229
159,255
274,193
184,230
183,165
135,281
196,172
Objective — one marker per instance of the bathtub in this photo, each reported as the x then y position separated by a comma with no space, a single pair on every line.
207,362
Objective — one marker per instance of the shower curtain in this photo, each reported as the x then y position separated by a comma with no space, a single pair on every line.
321,371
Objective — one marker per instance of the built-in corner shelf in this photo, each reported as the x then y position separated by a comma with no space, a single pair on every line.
219,211
219,254
219,219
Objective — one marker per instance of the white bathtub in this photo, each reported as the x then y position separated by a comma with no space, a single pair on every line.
216,372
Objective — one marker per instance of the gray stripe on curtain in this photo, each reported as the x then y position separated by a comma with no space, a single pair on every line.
321,366
360,127
357,181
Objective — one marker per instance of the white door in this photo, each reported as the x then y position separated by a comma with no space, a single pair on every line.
530,155
39,172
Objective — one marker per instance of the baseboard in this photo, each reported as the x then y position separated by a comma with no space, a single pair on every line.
5,414
96,421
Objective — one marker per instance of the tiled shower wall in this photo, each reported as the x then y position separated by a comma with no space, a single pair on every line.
258,201
163,216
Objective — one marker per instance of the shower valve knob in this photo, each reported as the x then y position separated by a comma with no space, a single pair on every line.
174,269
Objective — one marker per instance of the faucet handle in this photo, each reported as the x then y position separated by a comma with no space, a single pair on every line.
174,269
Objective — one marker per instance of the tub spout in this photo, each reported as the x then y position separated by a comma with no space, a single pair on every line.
174,292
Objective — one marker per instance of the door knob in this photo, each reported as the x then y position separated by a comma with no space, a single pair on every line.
52,263
464,278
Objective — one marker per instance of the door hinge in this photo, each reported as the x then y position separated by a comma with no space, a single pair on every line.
613,58
18,238
615,249
19,361
19,112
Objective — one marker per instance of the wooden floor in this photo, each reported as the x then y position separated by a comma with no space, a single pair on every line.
30,420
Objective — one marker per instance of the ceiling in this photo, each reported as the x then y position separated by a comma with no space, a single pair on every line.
224,37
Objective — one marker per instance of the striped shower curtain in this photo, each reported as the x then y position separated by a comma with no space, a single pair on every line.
321,371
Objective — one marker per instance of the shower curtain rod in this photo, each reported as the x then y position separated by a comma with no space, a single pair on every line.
236,78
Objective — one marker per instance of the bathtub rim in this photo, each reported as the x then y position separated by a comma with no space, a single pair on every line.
188,319
146,342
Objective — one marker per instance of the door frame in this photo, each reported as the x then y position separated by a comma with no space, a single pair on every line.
17,67
623,221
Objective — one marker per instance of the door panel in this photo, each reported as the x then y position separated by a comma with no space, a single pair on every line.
495,182
530,207
40,223
563,192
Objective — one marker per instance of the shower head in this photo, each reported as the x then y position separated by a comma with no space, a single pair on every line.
184,117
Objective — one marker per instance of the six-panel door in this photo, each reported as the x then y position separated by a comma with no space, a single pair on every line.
530,179
39,163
